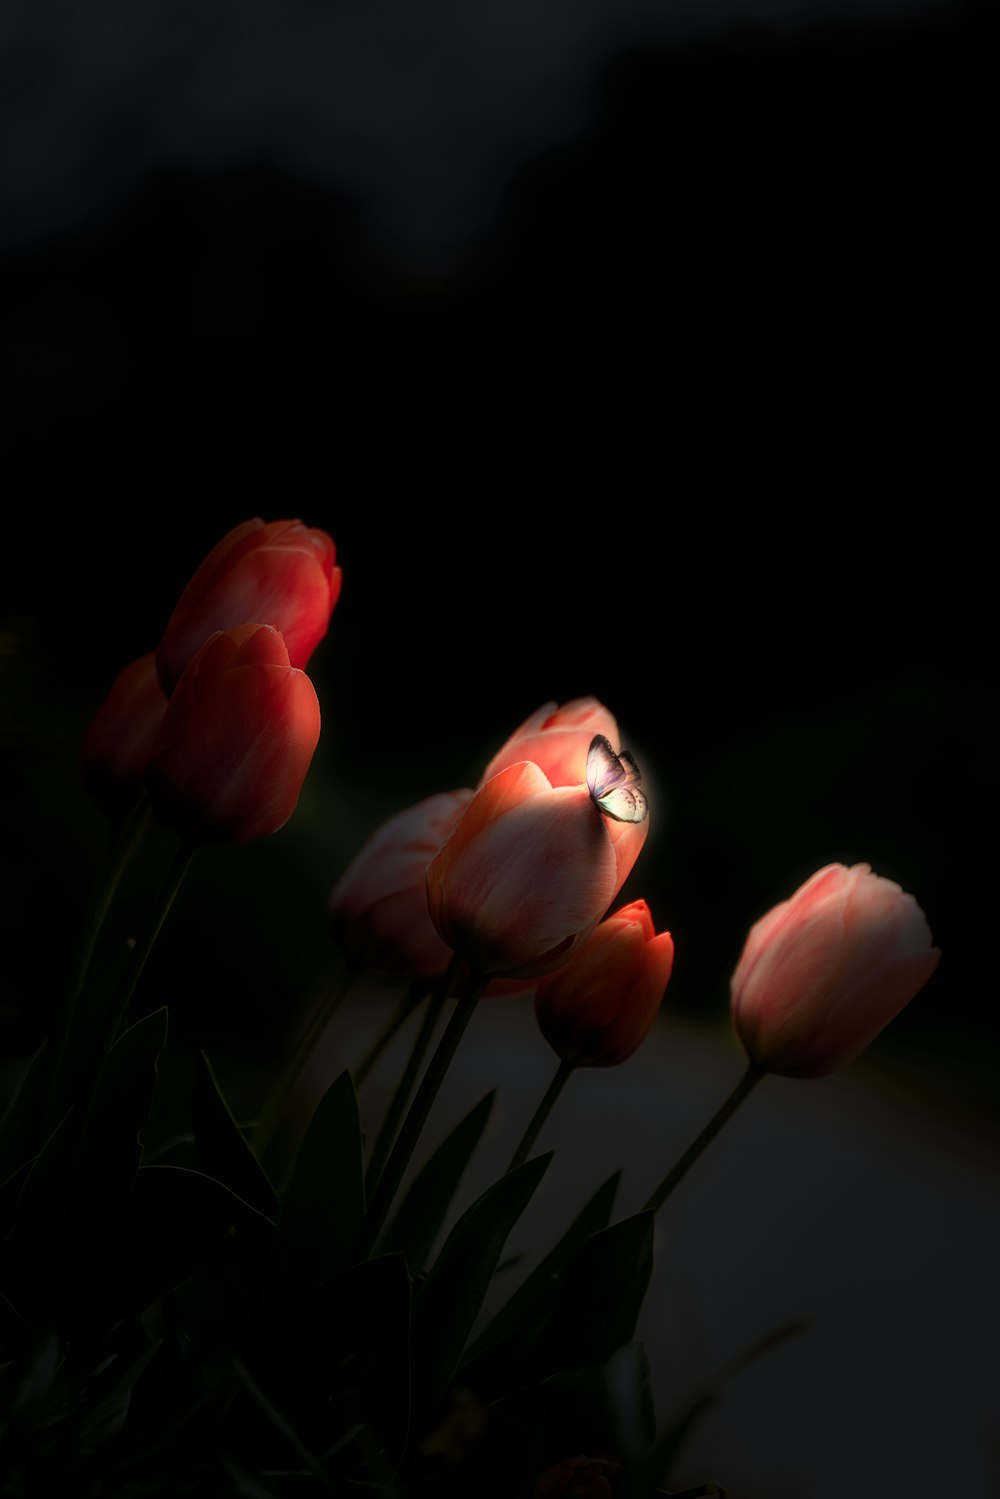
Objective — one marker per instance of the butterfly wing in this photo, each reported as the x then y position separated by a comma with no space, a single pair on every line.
613,781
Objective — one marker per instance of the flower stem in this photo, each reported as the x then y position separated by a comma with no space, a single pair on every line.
404,1088
416,991
409,1134
122,849
277,1099
749,1080
117,1013
542,1113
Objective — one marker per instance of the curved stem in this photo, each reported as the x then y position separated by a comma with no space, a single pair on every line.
409,1134
119,856
416,991
118,1011
542,1113
749,1080
401,1097
277,1099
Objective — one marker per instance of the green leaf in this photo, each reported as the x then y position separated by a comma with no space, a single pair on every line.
598,1301
222,1149
324,1203
451,1297
493,1357
605,1407
417,1221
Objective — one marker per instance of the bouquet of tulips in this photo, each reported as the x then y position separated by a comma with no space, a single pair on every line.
265,1308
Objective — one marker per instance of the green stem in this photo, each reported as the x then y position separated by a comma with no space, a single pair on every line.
277,1099
749,1080
404,1088
409,1134
120,855
117,1013
416,991
540,1115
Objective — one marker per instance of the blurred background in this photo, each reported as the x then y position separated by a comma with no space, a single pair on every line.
632,351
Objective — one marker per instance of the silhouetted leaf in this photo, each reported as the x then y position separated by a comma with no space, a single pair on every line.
494,1356
418,1220
222,1149
324,1202
598,1301
449,1301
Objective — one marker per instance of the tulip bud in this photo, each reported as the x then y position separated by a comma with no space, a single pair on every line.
599,1007
378,908
236,740
115,746
578,1478
557,740
527,873
823,972
280,573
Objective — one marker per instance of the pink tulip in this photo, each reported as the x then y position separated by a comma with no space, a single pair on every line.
598,1008
557,740
236,740
528,872
825,971
280,573
378,908
115,746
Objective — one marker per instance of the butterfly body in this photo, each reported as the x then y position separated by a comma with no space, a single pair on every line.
614,782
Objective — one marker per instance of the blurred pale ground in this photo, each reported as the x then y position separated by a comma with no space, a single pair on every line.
863,1203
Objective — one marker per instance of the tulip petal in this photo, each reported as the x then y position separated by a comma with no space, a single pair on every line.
527,870
557,740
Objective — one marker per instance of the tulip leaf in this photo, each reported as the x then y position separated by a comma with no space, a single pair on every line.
324,1202
415,1226
222,1149
450,1299
598,1300
605,1407
496,1350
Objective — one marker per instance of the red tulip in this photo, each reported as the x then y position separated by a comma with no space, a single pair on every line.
236,740
115,746
378,908
598,1007
280,573
825,971
528,872
557,740
578,1478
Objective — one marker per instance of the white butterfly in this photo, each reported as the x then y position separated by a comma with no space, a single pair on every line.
613,781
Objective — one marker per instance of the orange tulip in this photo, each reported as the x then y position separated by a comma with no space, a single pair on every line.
823,972
280,573
378,908
557,740
528,872
236,740
115,746
598,1008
